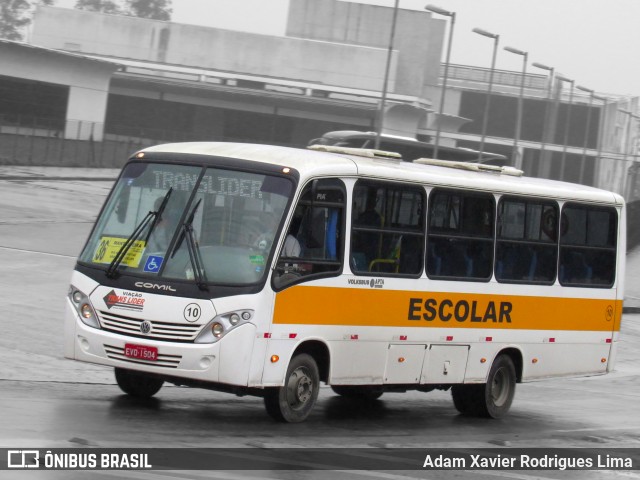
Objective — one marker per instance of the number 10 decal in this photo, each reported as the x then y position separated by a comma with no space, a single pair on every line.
192,312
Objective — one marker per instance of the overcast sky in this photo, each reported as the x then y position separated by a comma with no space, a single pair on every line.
594,42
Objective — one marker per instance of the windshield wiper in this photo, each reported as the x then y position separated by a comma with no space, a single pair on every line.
126,246
193,248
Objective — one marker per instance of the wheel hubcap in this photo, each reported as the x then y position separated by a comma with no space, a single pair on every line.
500,387
300,388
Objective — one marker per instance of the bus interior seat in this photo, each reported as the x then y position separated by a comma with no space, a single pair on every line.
331,240
434,259
575,269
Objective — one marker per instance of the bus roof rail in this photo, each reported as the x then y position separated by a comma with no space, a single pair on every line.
474,167
360,152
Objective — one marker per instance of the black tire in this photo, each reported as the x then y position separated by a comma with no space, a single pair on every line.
358,392
467,399
492,399
137,384
293,402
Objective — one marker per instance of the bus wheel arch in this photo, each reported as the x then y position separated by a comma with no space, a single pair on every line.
320,353
491,399
516,357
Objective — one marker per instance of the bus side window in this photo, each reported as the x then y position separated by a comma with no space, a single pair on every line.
460,236
526,247
387,234
314,242
588,245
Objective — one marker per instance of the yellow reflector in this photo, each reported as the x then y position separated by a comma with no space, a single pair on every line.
274,358
483,360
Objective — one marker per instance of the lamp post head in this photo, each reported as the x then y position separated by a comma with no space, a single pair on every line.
542,66
440,11
484,33
565,79
516,51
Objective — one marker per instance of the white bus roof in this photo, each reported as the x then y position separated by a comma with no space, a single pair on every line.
317,164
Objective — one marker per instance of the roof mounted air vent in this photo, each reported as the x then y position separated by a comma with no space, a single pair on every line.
473,167
360,152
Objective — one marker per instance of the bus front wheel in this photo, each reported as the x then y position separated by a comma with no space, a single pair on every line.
492,399
137,384
293,402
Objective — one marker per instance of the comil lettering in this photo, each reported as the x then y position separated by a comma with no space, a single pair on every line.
459,311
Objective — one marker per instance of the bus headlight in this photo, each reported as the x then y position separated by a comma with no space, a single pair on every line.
83,306
85,310
223,324
217,329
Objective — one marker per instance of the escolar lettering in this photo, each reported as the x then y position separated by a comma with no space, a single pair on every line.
460,311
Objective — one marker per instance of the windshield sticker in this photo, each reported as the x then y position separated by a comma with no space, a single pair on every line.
153,263
127,301
109,247
257,259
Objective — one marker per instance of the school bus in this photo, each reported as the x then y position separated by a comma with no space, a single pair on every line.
268,271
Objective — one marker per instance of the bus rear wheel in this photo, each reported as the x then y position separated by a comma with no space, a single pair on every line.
137,384
492,399
293,402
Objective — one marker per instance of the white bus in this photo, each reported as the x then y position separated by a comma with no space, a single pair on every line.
261,270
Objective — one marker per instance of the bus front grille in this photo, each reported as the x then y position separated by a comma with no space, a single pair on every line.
164,360
175,332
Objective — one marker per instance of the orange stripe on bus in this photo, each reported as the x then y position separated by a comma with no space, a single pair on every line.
311,305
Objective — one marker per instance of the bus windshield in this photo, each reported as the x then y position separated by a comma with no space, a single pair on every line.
187,222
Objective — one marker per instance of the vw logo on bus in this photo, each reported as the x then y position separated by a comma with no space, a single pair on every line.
145,327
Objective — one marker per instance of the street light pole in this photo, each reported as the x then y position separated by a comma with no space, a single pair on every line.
627,144
452,15
485,118
547,112
525,56
385,85
586,131
567,122
601,124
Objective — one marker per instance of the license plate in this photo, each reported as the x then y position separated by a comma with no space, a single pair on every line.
140,352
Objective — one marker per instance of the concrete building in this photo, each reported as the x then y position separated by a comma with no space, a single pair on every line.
191,82
101,85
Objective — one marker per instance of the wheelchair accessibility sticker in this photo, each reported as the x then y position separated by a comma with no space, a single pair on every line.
153,263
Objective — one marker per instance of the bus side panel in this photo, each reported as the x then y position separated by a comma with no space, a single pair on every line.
556,359
354,362
445,364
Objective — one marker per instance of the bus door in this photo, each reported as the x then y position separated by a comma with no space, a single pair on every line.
312,252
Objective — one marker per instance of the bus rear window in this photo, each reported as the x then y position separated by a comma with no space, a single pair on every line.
588,245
